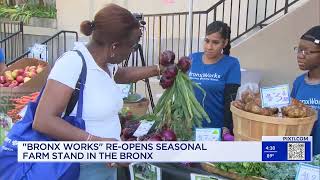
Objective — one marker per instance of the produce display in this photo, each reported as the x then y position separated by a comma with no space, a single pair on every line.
18,77
130,123
251,102
164,135
178,109
19,104
254,170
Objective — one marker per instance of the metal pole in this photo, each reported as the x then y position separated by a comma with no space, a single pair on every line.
189,36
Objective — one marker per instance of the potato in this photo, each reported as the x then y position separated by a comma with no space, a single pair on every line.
247,96
252,107
266,112
238,104
257,100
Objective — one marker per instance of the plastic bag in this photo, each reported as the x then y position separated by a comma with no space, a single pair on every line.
248,87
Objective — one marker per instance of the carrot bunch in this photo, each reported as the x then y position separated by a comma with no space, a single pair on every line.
19,104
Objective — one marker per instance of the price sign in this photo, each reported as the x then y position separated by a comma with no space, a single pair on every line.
143,128
39,51
277,96
308,172
142,171
208,134
194,176
124,88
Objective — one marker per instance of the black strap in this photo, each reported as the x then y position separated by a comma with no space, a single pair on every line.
75,95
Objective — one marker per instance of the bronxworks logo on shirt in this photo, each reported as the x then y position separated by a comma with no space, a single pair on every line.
205,76
313,102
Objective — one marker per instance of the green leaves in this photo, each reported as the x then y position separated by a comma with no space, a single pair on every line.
243,169
179,109
25,12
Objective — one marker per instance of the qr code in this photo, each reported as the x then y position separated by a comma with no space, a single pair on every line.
296,151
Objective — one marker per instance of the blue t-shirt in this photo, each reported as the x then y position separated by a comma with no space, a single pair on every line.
213,78
309,95
1,56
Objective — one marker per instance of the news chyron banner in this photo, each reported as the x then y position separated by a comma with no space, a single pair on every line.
270,149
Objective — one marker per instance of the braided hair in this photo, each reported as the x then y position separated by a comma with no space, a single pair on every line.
224,30
312,35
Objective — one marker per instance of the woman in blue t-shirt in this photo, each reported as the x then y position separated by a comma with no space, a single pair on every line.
306,87
219,75
2,61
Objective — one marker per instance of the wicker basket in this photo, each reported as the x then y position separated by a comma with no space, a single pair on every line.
138,108
251,127
210,168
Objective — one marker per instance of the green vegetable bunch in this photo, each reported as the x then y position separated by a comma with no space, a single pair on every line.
243,168
178,108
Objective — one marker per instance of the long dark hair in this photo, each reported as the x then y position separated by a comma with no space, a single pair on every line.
224,30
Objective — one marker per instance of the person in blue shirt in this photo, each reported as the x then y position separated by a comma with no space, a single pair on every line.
219,75
2,61
306,87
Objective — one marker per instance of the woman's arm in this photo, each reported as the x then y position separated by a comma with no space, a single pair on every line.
127,75
52,104
230,92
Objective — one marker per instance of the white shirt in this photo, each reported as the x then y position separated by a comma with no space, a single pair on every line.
102,99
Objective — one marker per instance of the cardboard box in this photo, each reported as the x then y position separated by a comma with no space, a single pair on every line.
34,85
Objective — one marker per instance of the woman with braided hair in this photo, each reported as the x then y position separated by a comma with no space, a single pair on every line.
219,75
306,87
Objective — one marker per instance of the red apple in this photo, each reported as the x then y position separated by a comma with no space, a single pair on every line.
32,74
14,82
32,67
26,79
26,69
6,84
19,79
33,70
20,72
3,79
25,74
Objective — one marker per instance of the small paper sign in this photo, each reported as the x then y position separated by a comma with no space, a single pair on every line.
124,88
208,134
308,172
143,128
39,51
144,171
276,96
194,176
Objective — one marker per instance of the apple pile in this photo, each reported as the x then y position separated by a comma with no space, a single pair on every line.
18,77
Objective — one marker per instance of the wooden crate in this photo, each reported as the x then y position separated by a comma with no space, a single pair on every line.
251,127
33,85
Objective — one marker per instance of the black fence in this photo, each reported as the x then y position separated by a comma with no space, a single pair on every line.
11,39
55,46
169,31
